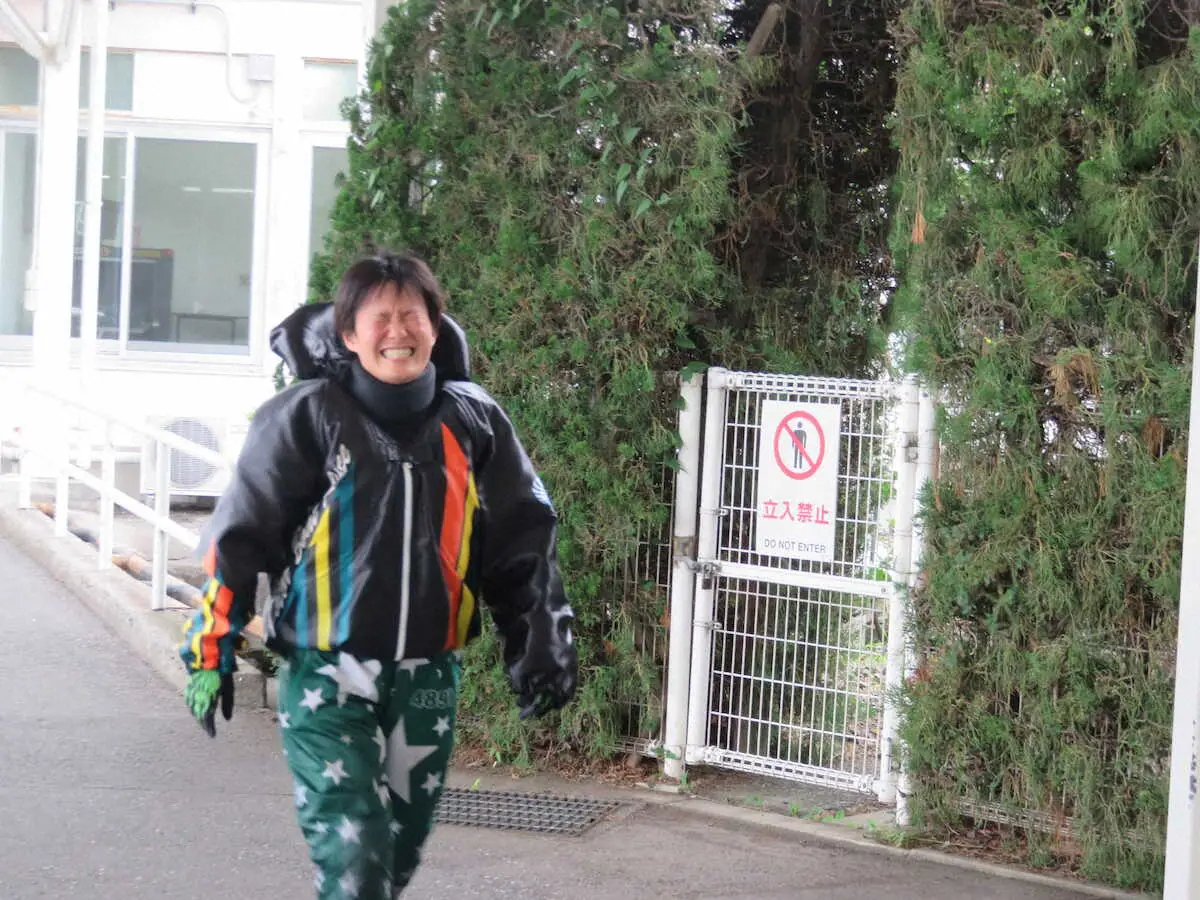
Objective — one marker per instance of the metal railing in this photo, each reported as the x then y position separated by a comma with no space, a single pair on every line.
63,438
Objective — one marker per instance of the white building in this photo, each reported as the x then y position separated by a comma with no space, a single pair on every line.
214,136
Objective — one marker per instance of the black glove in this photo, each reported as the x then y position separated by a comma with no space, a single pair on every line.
543,692
204,689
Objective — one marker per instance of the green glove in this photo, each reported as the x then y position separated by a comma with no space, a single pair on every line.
203,690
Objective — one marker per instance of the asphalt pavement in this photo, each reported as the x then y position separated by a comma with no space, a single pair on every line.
109,791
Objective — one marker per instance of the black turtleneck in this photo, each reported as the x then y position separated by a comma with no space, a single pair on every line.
396,408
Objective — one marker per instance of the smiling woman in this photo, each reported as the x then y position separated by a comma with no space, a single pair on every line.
387,312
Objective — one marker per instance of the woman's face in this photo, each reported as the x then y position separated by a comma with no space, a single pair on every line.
393,335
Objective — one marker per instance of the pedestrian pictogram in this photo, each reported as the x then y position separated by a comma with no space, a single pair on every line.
799,445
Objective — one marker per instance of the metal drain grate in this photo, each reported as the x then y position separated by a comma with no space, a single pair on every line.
543,813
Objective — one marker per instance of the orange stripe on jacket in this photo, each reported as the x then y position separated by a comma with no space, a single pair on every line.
452,527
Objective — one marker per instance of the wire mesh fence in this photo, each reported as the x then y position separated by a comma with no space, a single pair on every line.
798,670
797,686
864,471
645,592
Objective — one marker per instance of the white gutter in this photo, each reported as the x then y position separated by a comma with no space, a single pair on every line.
227,31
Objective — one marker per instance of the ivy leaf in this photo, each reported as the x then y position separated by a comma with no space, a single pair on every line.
621,189
642,207
692,369
623,172
630,133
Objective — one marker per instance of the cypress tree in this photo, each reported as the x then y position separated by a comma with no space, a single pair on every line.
1049,206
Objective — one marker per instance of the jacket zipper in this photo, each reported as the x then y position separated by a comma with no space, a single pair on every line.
406,560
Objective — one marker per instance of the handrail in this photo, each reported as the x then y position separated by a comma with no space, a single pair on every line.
60,456
161,435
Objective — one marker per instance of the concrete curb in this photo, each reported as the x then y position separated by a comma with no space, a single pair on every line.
119,600
841,834
123,604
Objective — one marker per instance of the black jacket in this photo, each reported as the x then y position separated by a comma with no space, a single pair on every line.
379,547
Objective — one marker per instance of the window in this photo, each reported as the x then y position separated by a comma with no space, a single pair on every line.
192,244
18,163
18,78
328,164
326,85
176,274
118,81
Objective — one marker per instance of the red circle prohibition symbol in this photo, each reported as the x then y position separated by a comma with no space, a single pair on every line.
799,450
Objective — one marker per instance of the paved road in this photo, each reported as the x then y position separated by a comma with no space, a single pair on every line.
108,791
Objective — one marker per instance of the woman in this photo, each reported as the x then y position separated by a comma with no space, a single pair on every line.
386,495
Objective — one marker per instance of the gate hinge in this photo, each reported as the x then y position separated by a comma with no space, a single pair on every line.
684,548
707,570
909,442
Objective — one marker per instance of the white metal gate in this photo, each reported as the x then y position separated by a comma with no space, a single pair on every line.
783,666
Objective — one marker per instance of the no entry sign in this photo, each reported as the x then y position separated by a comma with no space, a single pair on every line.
797,479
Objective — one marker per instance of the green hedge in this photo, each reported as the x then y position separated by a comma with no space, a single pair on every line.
1049,206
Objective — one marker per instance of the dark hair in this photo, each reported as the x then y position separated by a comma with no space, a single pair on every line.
403,270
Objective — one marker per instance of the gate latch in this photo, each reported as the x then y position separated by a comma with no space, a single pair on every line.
707,571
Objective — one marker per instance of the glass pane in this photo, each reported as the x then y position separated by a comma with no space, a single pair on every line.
112,225
16,230
193,235
326,85
118,81
18,78
328,164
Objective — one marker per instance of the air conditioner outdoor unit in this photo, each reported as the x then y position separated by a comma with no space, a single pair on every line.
190,476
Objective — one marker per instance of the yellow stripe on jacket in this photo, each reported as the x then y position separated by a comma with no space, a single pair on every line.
320,546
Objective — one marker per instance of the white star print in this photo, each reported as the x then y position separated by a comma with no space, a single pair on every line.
442,726
284,720
320,828
411,665
347,740
382,790
353,676
401,760
381,740
312,699
301,796
432,782
335,771
395,827
348,831
349,885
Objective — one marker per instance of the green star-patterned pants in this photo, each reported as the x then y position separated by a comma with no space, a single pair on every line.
368,744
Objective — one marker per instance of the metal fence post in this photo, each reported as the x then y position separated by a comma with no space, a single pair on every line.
706,552
109,475
162,511
27,443
924,473
683,578
62,480
905,462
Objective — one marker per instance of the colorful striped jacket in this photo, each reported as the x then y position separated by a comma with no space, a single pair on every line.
379,547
